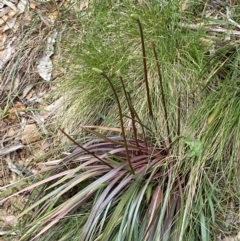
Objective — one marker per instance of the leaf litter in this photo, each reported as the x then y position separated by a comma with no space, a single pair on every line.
27,45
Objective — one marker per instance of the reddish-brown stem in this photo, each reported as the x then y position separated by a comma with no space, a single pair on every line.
162,93
86,150
145,70
121,121
131,112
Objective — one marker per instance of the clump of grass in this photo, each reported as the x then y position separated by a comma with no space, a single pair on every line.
111,43
170,169
128,178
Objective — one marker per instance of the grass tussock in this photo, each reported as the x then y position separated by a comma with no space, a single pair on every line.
161,157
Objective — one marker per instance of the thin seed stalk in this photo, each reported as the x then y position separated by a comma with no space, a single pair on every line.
121,121
85,149
131,112
145,70
162,93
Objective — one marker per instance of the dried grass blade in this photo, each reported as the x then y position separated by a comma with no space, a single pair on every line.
105,128
37,184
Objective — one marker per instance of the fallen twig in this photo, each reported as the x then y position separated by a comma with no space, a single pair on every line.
216,29
12,148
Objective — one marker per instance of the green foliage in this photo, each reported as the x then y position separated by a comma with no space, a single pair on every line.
195,147
170,170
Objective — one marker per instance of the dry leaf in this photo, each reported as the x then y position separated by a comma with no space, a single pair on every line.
232,238
53,15
11,132
9,4
9,220
30,134
32,5
5,55
22,5
84,5
52,108
45,68
12,115
3,38
45,63
18,108
4,11
27,91
12,13
9,23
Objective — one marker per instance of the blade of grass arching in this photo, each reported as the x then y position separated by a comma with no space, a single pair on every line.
123,229
204,229
78,179
153,209
37,184
47,227
61,211
169,219
101,181
104,218
68,205
160,221
46,197
103,200
61,190
134,211
46,207
116,191
110,197
72,173
118,210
